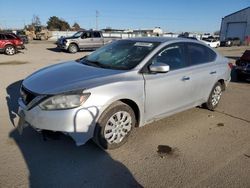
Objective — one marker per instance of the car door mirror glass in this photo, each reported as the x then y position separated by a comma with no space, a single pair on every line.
159,68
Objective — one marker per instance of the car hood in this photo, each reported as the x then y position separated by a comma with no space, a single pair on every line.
67,77
71,37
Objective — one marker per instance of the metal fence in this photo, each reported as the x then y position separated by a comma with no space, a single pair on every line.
57,34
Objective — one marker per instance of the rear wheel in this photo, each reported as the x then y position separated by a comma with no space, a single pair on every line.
214,97
114,126
10,50
73,48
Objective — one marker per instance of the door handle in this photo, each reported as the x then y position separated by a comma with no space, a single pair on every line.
185,78
213,72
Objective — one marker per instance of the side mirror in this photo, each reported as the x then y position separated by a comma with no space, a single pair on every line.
159,68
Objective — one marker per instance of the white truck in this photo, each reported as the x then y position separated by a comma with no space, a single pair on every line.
83,40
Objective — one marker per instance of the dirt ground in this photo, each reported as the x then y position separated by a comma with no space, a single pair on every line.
209,149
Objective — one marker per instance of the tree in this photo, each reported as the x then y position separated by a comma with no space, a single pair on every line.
29,27
55,23
36,20
76,26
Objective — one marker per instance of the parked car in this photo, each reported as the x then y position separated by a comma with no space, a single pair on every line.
231,42
21,34
83,40
193,38
10,43
186,36
243,66
212,42
125,84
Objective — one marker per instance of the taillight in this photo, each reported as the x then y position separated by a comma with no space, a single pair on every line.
230,65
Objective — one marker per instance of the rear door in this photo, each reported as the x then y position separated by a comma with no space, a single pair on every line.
203,68
97,40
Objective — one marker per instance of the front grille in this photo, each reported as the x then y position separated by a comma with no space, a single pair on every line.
27,96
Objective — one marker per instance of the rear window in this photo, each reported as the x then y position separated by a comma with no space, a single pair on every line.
199,54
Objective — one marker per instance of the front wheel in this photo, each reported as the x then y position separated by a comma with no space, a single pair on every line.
214,97
114,126
73,48
10,50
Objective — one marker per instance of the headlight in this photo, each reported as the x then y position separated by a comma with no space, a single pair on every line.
67,101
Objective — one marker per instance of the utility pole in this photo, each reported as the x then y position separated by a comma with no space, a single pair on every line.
96,19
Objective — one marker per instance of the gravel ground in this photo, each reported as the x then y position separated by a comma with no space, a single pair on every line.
208,149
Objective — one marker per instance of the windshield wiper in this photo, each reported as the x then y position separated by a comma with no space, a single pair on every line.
94,63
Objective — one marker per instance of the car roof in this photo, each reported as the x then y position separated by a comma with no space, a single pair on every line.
161,39
168,39
153,39
6,33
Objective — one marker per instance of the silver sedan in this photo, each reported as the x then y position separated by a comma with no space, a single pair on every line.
123,85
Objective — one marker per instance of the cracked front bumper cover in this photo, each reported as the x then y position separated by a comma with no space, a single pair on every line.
79,123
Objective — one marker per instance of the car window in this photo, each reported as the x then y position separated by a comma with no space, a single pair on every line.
9,37
172,55
121,54
1,37
199,54
96,35
86,35
78,34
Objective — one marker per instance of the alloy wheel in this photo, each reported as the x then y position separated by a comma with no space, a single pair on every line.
216,95
10,50
117,127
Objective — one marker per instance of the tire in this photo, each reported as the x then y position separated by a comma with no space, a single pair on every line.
73,48
10,50
114,126
214,97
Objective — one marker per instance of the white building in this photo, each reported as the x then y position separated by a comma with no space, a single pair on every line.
236,25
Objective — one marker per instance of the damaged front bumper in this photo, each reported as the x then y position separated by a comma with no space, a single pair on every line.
79,123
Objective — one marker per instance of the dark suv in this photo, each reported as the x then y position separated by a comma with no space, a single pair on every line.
231,42
243,66
10,43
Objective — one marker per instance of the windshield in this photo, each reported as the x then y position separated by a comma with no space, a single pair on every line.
78,34
122,54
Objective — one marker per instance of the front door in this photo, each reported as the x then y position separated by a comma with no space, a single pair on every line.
86,40
168,92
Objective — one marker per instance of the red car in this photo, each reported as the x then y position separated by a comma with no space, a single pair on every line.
10,43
